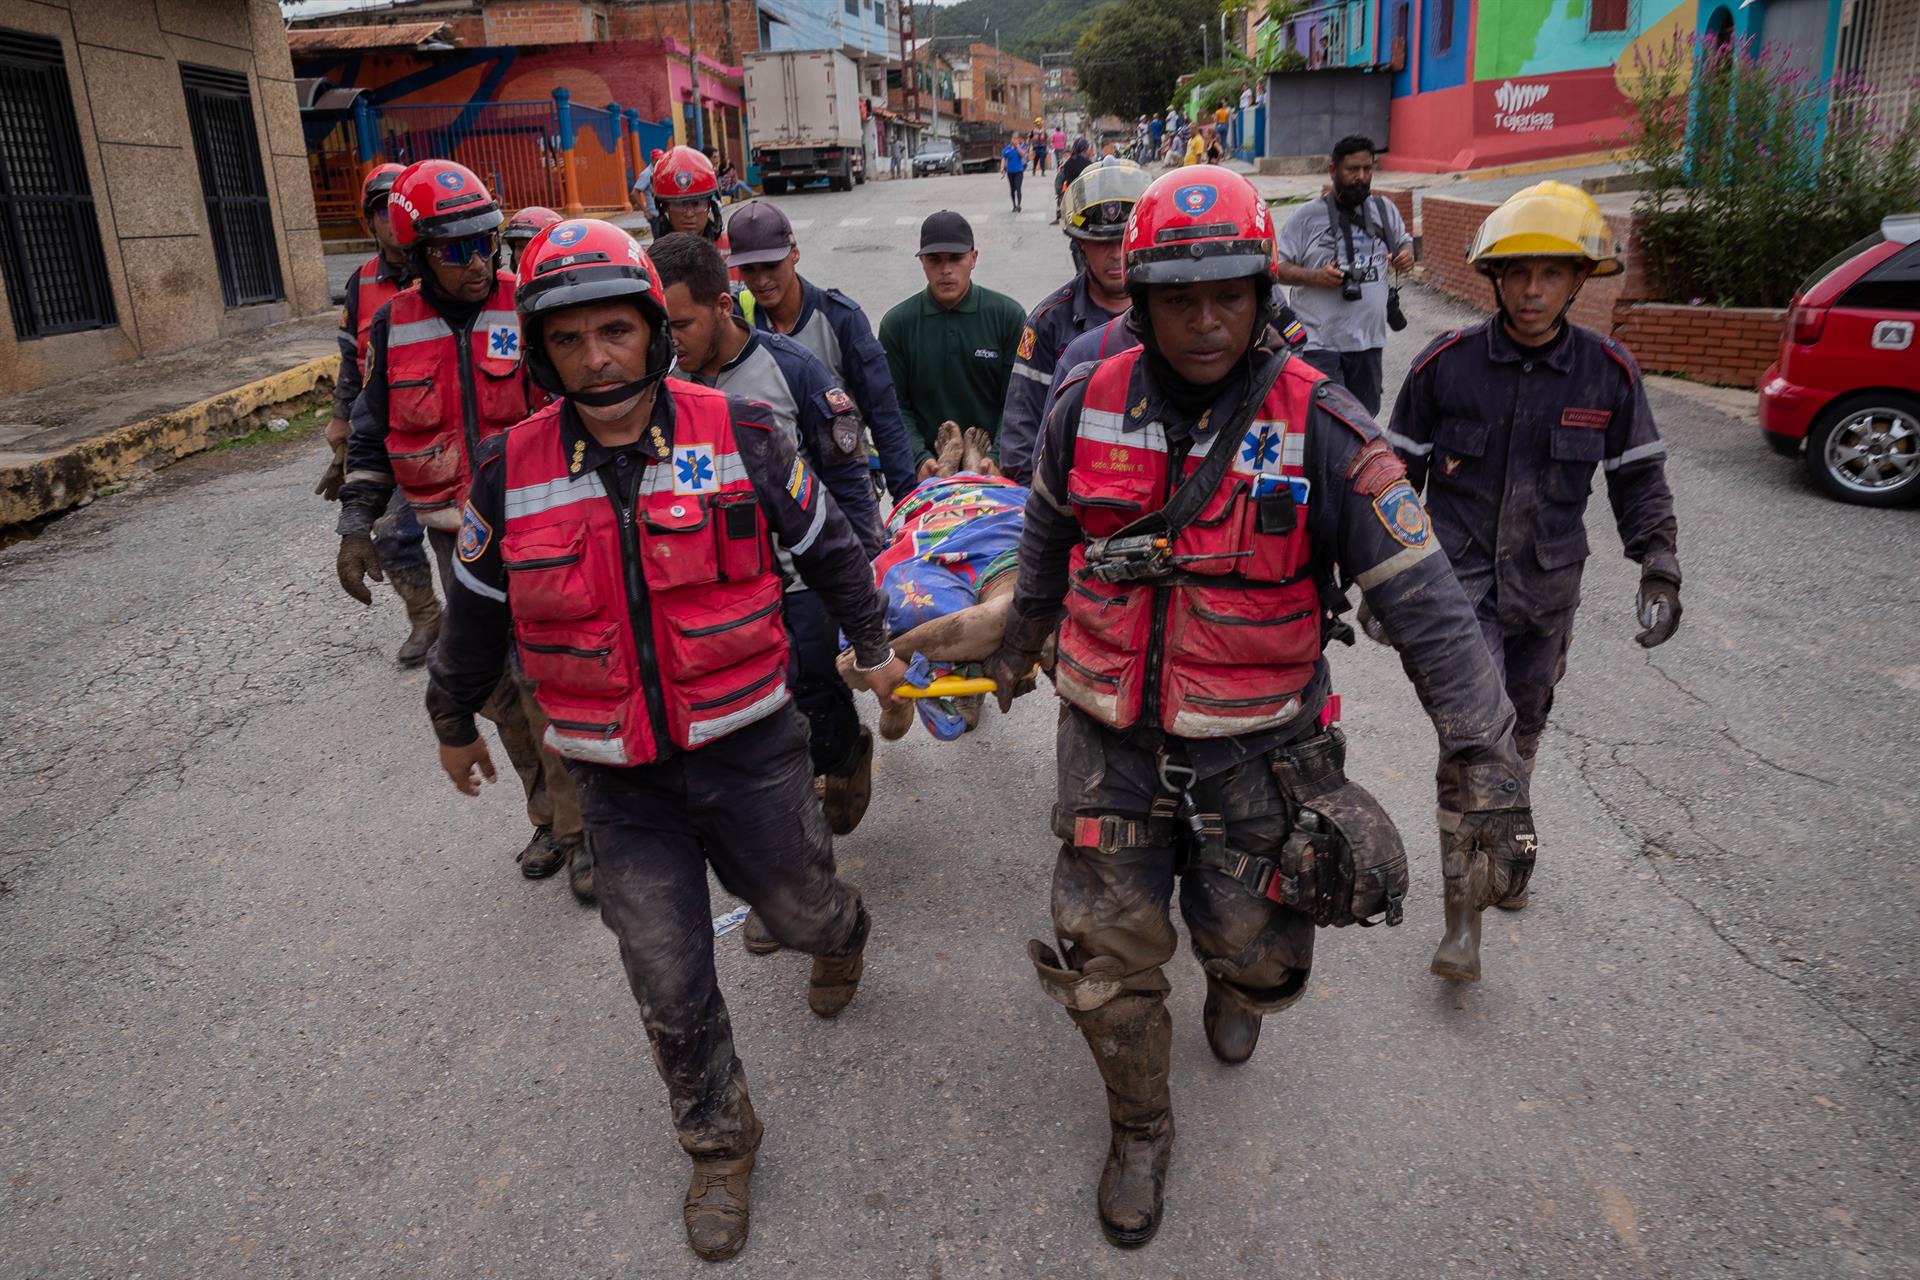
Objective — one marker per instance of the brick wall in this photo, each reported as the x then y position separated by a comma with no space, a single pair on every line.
538,22
1731,346
1446,232
713,35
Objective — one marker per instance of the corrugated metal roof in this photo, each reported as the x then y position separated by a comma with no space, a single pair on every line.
398,35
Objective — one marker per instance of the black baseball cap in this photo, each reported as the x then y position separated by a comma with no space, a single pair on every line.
945,232
758,232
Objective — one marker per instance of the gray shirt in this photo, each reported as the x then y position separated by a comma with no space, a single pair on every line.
1311,238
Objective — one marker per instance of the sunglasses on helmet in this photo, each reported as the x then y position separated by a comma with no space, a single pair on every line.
458,253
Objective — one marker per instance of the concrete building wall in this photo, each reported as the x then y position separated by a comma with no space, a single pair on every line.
123,65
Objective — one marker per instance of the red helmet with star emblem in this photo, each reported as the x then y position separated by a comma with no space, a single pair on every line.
1202,222
580,261
684,174
377,186
440,200
527,223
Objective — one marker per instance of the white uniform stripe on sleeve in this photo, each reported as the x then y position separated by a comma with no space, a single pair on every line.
465,578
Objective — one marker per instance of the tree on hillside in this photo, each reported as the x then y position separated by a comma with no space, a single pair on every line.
1131,57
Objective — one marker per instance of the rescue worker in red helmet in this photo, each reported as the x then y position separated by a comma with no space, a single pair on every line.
624,538
522,227
443,373
687,190
1191,501
1503,425
398,541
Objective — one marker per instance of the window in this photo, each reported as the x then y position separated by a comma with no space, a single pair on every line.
1894,285
49,237
1607,17
853,7
239,213
1443,27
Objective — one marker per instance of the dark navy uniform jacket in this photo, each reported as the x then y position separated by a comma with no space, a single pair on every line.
1505,442
1355,484
833,327
1062,316
809,529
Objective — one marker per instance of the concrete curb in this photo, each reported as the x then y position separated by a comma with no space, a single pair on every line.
45,486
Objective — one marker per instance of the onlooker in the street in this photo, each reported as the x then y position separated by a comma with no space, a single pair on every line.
1215,153
1196,152
1059,143
1246,98
899,155
1156,131
731,188
643,187
951,346
1335,252
1039,147
1075,165
1220,115
1013,163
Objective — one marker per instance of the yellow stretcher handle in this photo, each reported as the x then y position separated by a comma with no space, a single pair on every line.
948,687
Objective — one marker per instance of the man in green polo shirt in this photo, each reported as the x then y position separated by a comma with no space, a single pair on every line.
951,346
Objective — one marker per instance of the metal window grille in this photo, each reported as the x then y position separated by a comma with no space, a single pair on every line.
49,236
1608,17
239,212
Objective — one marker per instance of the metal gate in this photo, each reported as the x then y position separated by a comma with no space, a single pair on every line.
239,213
49,236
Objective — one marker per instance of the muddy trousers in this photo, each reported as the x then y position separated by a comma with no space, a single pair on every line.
398,538
745,807
1530,663
822,696
522,726
1112,883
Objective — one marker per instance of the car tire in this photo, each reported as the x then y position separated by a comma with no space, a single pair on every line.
1866,449
775,186
859,177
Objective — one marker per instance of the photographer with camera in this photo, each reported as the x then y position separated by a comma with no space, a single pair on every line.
1335,253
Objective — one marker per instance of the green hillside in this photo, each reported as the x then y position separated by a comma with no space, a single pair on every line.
1026,27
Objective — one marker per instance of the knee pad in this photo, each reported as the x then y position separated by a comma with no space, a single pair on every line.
1097,981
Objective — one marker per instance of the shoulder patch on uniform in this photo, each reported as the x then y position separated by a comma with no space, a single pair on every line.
1402,516
838,401
1025,350
1293,333
475,535
345,319
800,483
1375,469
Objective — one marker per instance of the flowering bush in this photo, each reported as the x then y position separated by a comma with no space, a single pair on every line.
1754,172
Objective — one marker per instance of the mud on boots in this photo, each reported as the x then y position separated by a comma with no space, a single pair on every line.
601,539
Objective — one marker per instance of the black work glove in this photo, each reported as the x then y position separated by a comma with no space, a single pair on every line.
356,563
1506,838
1011,665
334,475
1659,611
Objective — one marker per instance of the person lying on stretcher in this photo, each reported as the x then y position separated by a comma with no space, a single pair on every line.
948,576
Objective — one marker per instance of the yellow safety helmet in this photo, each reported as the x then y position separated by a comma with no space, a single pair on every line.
1547,220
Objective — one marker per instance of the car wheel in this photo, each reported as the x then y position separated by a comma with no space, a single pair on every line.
1866,449
775,186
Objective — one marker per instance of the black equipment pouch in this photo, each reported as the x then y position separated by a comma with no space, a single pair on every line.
1343,861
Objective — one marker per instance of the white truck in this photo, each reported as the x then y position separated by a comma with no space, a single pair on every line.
803,117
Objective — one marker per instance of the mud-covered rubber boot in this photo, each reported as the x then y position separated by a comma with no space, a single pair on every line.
543,855
1514,901
849,789
580,869
831,985
716,1209
1458,955
415,588
1132,1042
1232,1029
754,936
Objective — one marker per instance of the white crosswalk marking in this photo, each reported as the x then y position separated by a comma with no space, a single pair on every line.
855,222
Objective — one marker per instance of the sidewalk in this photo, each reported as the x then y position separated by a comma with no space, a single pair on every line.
59,444
1490,187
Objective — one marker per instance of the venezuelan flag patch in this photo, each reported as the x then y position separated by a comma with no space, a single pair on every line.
800,483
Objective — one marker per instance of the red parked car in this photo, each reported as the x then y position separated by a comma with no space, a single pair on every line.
1846,387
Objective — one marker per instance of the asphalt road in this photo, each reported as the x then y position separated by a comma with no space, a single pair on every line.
276,1001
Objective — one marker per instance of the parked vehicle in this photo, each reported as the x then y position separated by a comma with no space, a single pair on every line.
1845,391
980,144
803,115
936,157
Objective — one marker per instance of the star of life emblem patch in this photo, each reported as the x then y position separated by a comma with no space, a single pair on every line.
1259,448
1402,515
503,342
693,471
475,535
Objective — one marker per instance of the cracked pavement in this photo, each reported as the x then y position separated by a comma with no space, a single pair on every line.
278,1003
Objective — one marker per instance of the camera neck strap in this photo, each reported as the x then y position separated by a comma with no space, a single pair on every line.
1345,222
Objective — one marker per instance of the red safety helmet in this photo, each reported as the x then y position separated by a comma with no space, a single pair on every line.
685,174
653,156
527,223
376,186
584,260
440,200
1202,222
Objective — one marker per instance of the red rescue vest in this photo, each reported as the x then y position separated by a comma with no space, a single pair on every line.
373,291
697,648
1224,646
434,421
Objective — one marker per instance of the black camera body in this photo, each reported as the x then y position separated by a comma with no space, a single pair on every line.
1350,282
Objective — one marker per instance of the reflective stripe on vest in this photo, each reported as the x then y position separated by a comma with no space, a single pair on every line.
1238,626
427,410
711,615
372,292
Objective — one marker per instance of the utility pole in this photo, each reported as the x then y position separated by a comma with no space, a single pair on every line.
1206,58
693,81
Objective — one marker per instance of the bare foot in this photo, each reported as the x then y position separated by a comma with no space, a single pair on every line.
978,446
948,447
